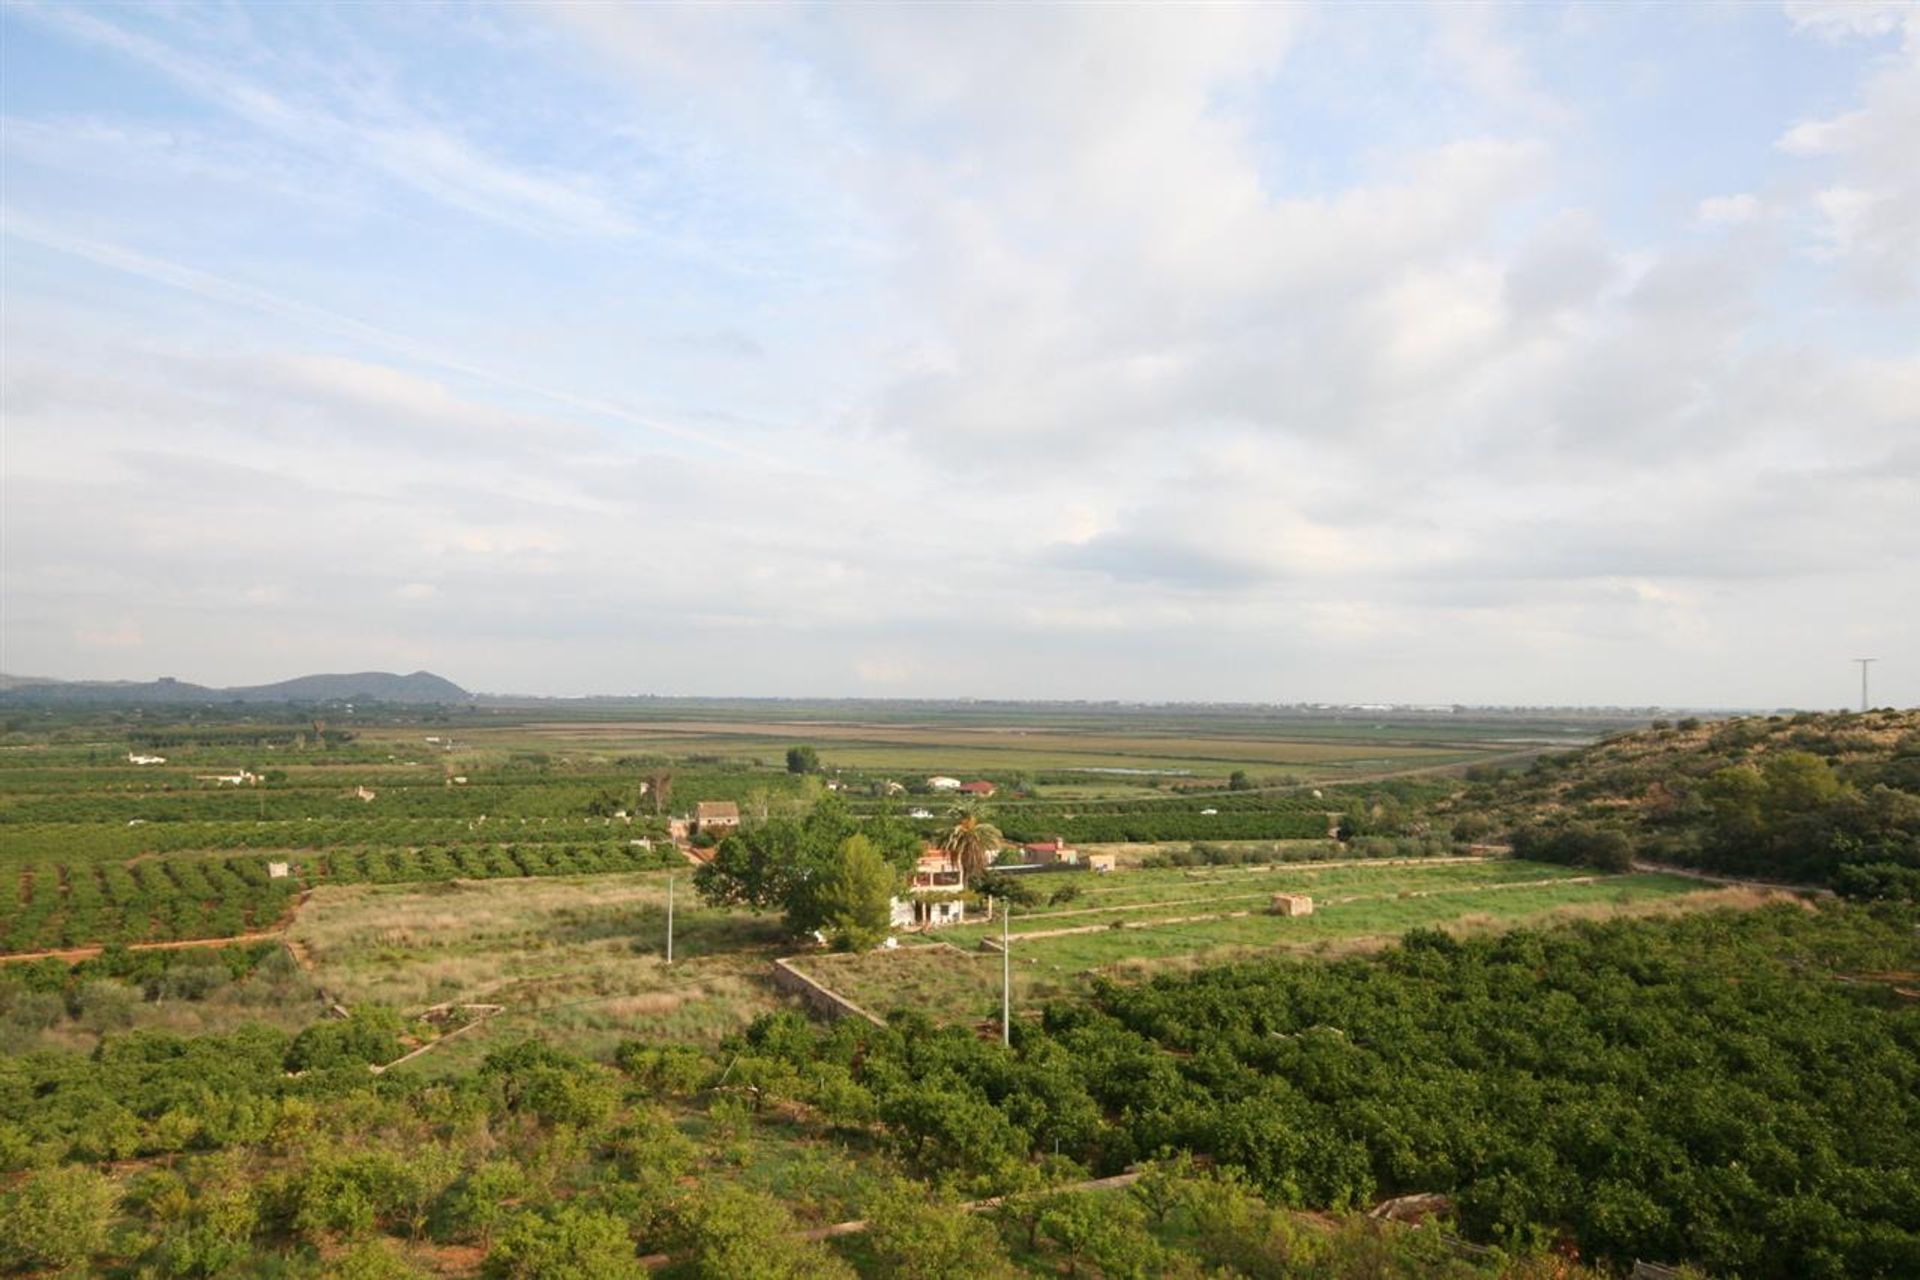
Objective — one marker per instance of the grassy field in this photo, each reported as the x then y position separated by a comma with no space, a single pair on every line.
1100,901
1145,922
581,958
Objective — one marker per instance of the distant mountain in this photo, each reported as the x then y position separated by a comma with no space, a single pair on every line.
422,687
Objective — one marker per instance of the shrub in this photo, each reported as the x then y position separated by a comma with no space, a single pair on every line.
916,1237
55,1218
370,1035
573,1244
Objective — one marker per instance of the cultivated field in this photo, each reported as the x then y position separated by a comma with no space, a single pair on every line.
138,829
907,749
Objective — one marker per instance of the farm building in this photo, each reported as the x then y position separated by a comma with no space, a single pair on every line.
981,788
140,759
717,816
1291,904
1049,853
943,783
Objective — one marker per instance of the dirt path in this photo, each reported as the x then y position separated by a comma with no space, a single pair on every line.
278,933
74,954
298,950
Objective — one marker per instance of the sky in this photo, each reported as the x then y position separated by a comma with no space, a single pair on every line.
1485,354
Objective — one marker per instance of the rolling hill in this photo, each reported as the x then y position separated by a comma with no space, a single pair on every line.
418,688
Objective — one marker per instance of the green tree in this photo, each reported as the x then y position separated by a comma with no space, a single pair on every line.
573,1244
786,863
55,1218
858,896
1026,1192
1163,1186
917,1237
1239,781
730,1233
803,759
477,1205
1100,1230
371,1034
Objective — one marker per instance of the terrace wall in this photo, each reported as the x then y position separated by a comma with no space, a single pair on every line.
822,999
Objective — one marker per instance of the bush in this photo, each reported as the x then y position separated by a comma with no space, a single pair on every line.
370,1035
916,1237
1578,844
1881,880
55,1218
103,1005
573,1244
373,1260
734,1234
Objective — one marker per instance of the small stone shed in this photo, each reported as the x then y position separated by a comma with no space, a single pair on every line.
1291,904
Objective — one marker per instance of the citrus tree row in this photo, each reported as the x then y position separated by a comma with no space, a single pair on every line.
67,904
61,905
82,841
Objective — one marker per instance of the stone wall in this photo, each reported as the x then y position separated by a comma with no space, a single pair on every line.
823,1000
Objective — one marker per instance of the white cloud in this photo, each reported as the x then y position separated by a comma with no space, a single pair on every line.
1728,211
401,145
1082,392
1868,209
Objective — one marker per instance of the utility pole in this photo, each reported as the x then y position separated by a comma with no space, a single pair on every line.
1864,664
1006,971
669,917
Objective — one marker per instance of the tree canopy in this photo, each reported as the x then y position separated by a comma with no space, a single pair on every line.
792,865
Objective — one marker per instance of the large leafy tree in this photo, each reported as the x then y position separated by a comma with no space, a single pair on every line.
790,865
972,839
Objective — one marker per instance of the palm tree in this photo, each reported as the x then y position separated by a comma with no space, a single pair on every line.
971,839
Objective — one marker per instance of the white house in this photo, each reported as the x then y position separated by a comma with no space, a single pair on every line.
139,759
933,893
944,783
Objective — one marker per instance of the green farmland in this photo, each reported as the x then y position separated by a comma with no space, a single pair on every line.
98,849
1131,924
